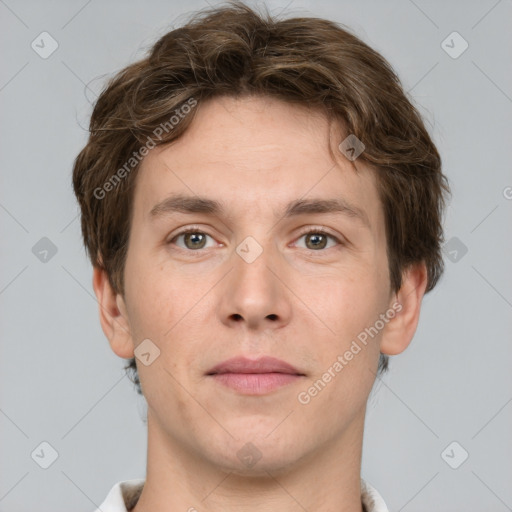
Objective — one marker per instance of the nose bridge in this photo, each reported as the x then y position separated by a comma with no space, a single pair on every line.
252,260
253,294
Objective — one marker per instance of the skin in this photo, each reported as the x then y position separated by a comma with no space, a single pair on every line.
301,304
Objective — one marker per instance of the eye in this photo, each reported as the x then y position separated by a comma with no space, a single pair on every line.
317,239
193,239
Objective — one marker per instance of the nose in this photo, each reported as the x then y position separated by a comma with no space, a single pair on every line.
254,295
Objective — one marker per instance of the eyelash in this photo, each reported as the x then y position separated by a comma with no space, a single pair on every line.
317,230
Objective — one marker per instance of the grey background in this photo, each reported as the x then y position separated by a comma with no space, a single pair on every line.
60,382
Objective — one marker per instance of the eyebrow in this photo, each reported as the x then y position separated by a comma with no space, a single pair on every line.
195,204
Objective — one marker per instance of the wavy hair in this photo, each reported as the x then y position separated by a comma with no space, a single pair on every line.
233,50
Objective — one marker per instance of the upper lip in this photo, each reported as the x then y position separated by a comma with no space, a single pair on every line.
264,364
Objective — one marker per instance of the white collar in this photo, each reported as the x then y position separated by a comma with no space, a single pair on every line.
120,496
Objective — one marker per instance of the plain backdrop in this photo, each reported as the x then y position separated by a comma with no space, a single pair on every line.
448,397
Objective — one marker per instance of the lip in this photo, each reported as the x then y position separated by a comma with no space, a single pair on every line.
261,365
254,376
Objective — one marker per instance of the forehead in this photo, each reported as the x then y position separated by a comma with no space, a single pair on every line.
256,155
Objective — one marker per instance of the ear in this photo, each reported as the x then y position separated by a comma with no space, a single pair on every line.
113,315
400,329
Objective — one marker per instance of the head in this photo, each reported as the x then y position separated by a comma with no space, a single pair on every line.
250,111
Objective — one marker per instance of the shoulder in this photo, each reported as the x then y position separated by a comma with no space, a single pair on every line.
371,499
123,496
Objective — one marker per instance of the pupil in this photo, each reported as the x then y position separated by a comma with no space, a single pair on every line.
198,237
315,245
195,236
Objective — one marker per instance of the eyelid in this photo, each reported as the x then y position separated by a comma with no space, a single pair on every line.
189,229
305,231
322,230
316,229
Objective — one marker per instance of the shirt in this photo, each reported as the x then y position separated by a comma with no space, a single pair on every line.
124,496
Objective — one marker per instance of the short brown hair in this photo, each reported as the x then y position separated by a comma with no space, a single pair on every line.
232,50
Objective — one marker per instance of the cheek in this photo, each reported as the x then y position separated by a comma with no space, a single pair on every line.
344,302
344,352
165,310
152,309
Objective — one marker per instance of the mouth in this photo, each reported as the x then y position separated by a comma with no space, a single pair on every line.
261,365
254,377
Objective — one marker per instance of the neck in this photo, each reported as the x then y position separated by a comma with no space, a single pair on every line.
178,478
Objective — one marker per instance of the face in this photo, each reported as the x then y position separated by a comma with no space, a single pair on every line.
272,272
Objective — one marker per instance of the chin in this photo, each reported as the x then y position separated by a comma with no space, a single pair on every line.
255,453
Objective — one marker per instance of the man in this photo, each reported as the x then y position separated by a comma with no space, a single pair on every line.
262,208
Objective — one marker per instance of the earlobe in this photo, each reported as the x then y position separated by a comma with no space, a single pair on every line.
113,315
400,330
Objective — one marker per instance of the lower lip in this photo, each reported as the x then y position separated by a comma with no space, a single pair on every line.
255,383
